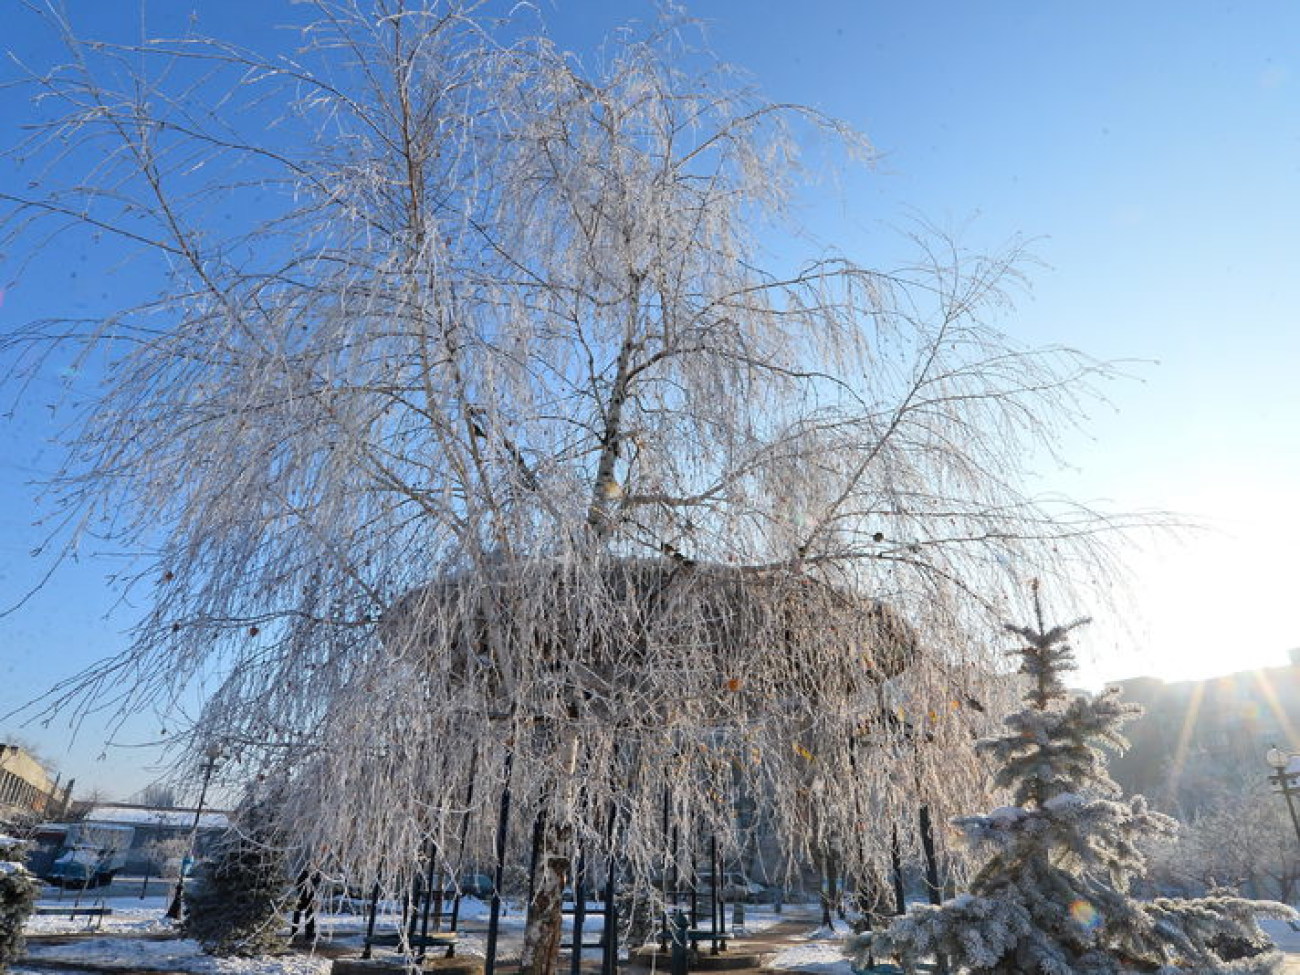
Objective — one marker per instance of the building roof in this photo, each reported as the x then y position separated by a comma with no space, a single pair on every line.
147,816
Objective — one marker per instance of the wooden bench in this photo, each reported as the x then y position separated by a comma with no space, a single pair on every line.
393,939
675,927
696,935
73,911
585,946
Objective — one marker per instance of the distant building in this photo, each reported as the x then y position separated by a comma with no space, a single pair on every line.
27,791
153,826
1199,736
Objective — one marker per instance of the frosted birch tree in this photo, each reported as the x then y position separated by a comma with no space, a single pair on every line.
478,435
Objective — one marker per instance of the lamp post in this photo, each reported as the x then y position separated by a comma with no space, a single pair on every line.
174,909
1285,780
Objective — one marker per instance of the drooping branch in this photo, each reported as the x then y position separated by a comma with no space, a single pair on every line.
490,426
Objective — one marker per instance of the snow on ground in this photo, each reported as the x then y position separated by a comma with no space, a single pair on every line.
173,955
132,939
824,956
1284,935
758,921
134,915
130,916
822,951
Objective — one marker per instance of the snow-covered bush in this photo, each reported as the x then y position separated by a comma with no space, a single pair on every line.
236,904
17,899
1239,839
1053,897
862,949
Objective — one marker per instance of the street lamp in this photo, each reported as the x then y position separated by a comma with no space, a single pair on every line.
174,909
1286,780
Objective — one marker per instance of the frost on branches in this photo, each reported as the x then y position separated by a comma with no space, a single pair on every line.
470,439
17,899
1052,897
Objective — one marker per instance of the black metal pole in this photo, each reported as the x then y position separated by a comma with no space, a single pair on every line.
695,883
931,859
678,960
666,920
309,908
174,908
932,875
370,922
719,908
609,927
428,897
896,862
675,846
609,957
460,853
413,902
494,912
1285,779
579,911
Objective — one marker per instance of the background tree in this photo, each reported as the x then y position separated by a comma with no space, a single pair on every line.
162,858
18,891
236,905
157,795
473,411
1053,896
1241,838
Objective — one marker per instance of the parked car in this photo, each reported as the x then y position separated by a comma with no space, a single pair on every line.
89,855
475,885
44,846
738,887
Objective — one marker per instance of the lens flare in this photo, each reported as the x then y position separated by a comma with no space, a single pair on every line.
1085,915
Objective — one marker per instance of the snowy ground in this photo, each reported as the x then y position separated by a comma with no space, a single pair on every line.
136,937
173,955
820,952
1283,934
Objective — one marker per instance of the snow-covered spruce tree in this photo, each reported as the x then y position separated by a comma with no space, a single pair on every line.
468,424
236,903
1053,896
17,899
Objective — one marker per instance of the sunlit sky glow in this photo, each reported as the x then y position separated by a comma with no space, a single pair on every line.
1151,151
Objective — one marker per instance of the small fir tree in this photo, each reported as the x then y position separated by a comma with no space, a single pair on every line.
17,900
236,904
1053,896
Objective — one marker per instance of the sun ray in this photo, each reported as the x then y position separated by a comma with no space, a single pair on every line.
1185,737
1269,693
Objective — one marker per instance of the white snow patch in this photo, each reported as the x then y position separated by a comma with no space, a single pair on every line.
130,916
1284,933
824,933
756,921
819,956
1008,814
1066,800
181,955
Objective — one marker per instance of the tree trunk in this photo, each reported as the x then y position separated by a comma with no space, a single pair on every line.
544,929
828,869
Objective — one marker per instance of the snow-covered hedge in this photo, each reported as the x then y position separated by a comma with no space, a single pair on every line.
17,900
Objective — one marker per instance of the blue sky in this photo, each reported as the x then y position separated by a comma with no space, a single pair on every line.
1152,151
